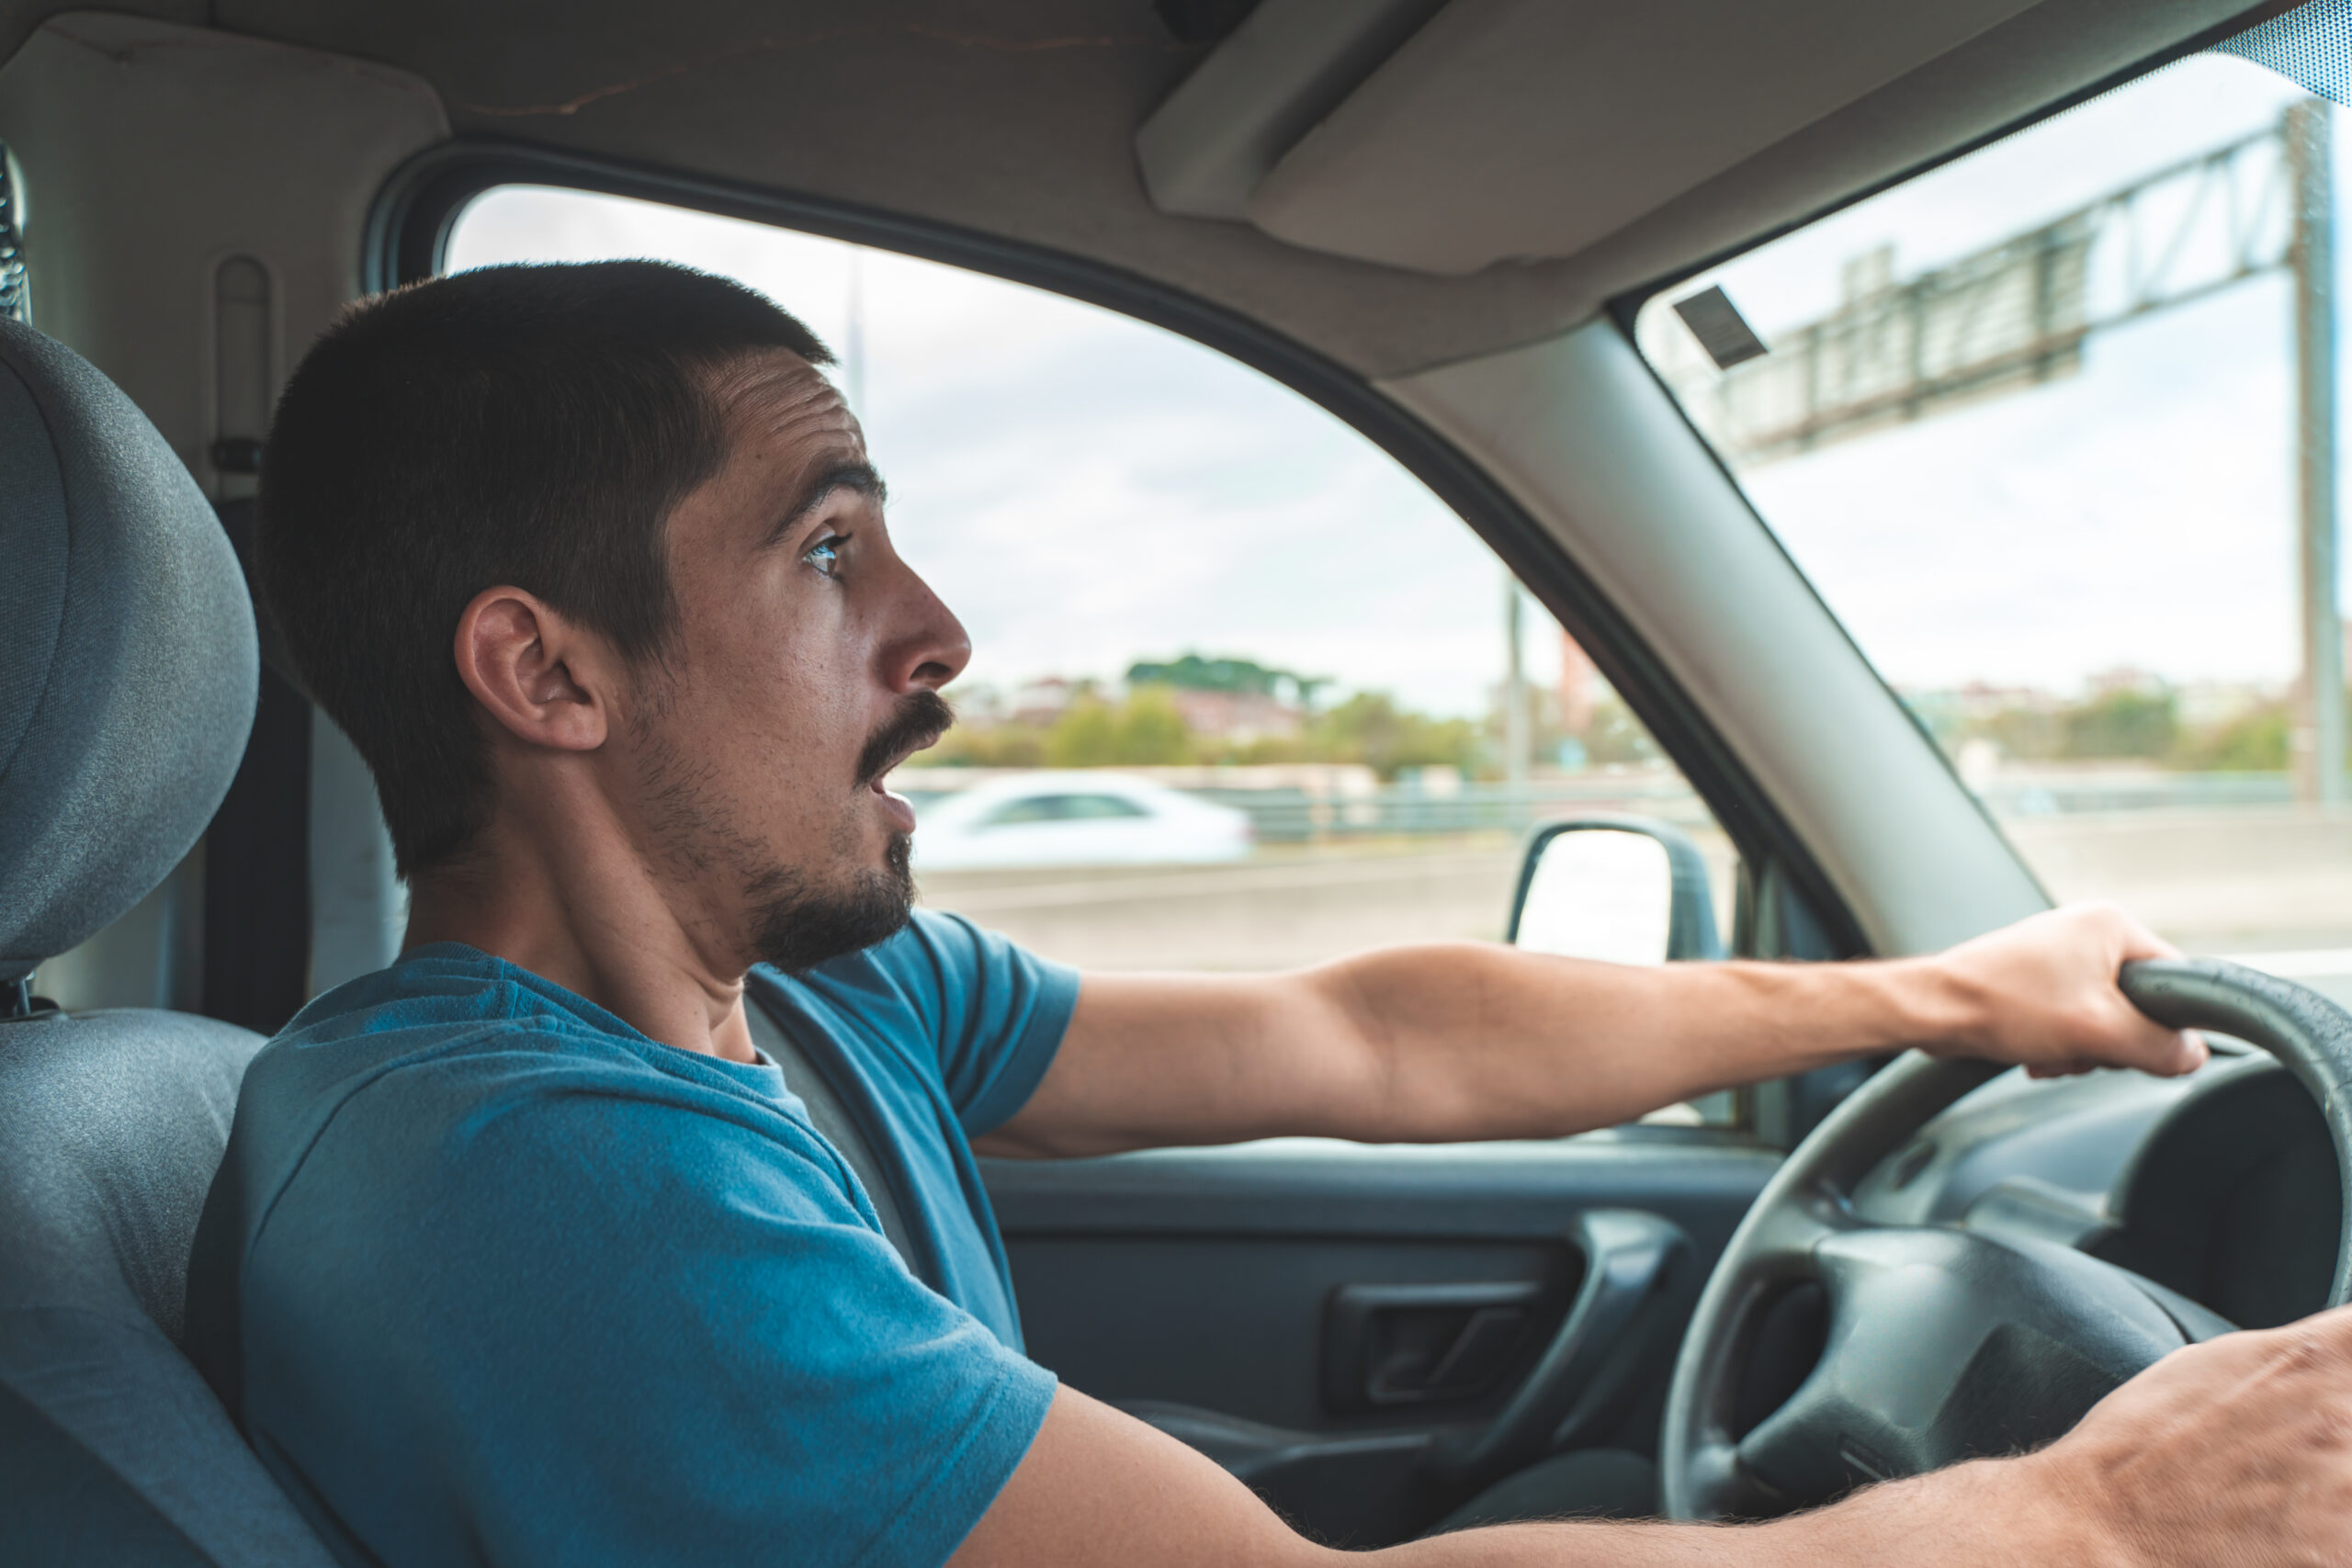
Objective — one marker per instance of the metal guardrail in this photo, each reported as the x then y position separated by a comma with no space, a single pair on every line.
1290,816
1299,814
2061,795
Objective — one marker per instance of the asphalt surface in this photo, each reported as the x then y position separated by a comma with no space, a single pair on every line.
2271,883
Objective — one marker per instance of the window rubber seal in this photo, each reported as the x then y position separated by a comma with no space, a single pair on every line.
407,237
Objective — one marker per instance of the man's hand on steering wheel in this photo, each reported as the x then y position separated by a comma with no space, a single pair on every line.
2043,995
2236,1450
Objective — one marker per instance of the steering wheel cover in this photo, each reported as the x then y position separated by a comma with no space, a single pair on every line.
1806,1202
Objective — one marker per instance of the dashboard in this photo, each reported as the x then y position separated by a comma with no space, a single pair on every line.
2222,1186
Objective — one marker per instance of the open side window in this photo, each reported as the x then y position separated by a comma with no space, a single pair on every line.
1190,582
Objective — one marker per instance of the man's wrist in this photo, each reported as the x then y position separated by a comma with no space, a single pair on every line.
2073,1513
1937,1007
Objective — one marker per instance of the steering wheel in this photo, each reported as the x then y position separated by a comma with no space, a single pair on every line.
1944,1344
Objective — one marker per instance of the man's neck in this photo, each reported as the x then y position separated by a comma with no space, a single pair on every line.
583,910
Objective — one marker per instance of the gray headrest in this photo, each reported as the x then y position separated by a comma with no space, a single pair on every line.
127,658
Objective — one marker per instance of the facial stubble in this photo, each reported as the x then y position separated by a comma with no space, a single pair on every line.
799,919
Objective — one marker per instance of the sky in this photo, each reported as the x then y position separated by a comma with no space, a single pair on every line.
2139,514
1086,490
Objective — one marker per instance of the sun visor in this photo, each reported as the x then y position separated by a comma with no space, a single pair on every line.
1495,130
1288,65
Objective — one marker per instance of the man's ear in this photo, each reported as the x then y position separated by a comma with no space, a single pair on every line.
544,679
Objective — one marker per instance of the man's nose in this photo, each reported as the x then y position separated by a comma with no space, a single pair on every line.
936,648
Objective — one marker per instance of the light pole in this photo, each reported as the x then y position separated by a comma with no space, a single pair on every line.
2318,733
853,348
1514,698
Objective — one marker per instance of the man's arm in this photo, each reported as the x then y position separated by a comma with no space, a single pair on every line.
1465,1041
1099,1488
2237,1451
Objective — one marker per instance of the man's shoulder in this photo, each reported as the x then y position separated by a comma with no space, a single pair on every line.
439,1039
461,1012
432,1079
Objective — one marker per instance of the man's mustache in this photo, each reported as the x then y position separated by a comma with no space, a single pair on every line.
922,717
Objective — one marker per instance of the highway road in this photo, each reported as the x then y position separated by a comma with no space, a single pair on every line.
2269,882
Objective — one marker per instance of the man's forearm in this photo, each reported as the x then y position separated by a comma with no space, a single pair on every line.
1993,1514
1463,1040
1098,1487
1478,1042
1447,1040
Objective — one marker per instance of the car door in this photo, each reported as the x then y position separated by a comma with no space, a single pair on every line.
1029,830
1342,1325
1083,828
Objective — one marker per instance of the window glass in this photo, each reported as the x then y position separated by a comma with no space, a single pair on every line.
2037,426
1294,661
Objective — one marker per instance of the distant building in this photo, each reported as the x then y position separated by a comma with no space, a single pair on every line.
1042,701
1981,700
978,706
1239,717
2203,704
2127,678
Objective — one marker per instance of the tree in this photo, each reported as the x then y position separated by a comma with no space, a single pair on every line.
2122,723
1193,672
1616,736
1085,736
1150,730
2253,742
1369,727
1144,731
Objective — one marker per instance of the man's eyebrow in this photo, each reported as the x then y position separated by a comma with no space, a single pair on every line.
851,474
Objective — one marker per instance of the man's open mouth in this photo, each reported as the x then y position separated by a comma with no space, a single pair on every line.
891,763
920,720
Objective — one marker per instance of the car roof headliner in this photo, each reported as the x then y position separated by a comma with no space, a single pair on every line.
1018,119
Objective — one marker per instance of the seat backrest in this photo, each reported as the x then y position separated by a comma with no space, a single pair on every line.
127,682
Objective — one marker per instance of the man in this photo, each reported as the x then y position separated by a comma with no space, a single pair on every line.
524,1254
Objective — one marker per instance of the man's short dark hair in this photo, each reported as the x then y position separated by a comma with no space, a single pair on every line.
527,425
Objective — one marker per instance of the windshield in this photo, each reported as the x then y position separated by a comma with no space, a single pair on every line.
2051,428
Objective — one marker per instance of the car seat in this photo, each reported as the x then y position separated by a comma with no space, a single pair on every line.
127,684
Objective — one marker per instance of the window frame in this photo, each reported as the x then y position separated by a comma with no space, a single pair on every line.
412,217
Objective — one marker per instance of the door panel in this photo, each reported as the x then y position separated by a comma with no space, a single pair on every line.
1340,1324
1238,1324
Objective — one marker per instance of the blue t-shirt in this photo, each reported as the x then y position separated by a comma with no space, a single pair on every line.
489,1276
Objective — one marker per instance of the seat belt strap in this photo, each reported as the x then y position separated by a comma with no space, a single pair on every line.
834,1120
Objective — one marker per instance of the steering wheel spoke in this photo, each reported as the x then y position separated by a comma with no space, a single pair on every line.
1720,1471
1786,1242
1944,1345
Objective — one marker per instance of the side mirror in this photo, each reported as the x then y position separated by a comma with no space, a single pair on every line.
1625,889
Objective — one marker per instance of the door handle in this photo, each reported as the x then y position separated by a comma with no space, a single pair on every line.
1591,1361
1423,1344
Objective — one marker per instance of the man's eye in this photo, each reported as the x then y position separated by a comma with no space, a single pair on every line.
825,555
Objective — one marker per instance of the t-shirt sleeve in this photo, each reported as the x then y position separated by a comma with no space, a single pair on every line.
646,1333
1001,1012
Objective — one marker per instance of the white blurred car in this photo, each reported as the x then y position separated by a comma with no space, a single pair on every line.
1075,818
